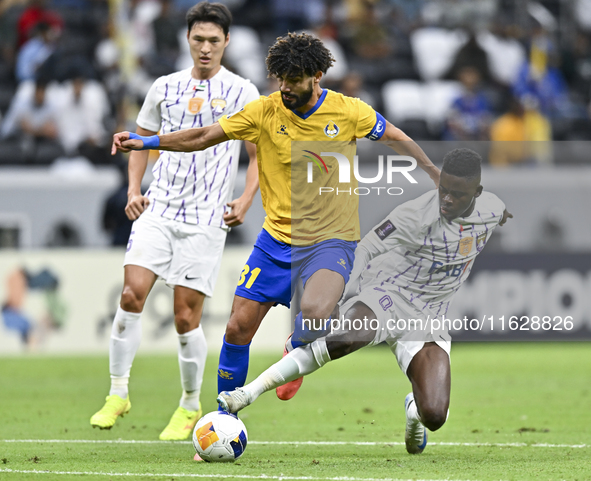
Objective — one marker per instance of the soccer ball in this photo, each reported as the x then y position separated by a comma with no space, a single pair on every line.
220,437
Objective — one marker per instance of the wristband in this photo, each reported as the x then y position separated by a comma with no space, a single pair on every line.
151,142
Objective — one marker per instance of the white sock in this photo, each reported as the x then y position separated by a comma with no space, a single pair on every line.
192,354
413,412
299,362
126,334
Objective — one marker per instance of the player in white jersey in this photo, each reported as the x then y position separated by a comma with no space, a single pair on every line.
406,269
181,222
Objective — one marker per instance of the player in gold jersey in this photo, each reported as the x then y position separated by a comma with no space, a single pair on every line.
320,253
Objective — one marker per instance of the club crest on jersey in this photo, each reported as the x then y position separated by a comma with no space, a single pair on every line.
195,105
466,245
218,105
480,241
331,130
282,130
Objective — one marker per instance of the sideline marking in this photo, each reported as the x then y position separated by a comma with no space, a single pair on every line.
300,443
215,476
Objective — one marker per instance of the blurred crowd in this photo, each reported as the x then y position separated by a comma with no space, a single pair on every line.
72,72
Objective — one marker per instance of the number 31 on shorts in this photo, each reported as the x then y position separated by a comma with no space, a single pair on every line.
253,275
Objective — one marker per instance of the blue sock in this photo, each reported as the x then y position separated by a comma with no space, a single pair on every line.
233,366
302,334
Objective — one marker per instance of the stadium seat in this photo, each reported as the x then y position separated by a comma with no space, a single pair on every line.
438,97
434,50
403,100
245,52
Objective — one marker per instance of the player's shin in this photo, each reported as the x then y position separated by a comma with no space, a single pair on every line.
125,339
233,366
296,364
307,330
192,352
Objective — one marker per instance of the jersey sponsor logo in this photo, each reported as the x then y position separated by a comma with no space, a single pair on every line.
218,105
195,105
282,130
385,230
331,130
453,270
466,245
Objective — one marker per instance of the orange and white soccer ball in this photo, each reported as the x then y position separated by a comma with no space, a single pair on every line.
220,437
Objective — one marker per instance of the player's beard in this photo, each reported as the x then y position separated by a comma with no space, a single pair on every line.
299,100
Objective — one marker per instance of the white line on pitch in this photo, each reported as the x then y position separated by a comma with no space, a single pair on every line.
300,443
210,476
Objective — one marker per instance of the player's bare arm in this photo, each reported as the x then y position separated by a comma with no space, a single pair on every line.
189,140
506,215
138,161
239,207
396,139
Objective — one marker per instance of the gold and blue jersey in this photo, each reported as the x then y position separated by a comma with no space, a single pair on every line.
287,141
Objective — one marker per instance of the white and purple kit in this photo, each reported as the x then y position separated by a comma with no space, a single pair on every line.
189,192
411,264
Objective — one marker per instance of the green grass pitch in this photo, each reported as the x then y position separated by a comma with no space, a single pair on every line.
518,412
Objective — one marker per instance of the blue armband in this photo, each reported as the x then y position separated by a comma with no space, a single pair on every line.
151,142
378,129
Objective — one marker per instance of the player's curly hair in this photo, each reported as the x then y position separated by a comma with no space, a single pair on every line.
298,53
462,163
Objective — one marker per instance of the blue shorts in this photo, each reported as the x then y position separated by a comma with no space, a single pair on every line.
16,321
273,268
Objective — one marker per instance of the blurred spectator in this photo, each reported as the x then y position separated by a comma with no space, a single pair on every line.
368,38
165,30
471,54
522,135
352,86
34,14
33,119
540,78
115,221
35,51
10,12
83,106
293,16
470,114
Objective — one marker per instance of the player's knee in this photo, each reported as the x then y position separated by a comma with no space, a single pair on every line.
185,321
131,301
317,309
433,417
238,332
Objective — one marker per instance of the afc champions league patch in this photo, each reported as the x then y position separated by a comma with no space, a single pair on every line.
466,245
195,105
385,229
331,130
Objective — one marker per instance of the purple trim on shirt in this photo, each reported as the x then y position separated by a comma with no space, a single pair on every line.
217,165
164,211
181,209
225,177
238,98
208,91
177,171
187,176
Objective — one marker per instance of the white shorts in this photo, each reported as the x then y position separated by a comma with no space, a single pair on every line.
182,254
393,313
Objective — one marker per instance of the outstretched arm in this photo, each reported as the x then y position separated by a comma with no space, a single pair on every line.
188,140
396,139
